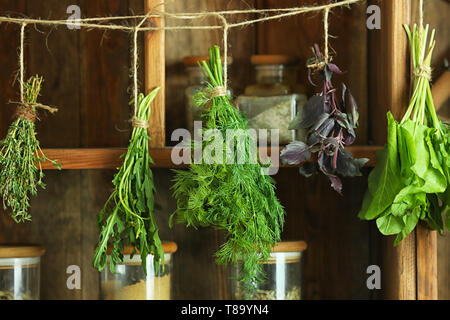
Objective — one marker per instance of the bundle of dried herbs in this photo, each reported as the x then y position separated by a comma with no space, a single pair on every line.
128,216
330,123
20,154
411,181
234,196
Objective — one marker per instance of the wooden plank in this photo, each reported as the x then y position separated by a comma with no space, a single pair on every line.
389,68
427,279
109,158
155,75
444,267
388,53
49,53
103,87
337,254
398,268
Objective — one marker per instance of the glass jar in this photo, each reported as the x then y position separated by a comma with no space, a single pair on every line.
20,272
196,82
274,100
283,274
129,282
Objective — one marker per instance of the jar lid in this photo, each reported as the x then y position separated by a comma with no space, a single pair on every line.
284,59
168,247
290,246
194,60
21,251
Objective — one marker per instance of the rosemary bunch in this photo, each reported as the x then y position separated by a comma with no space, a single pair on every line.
128,215
236,198
20,152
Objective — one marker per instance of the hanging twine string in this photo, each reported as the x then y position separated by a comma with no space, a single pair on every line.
21,62
225,26
86,23
135,121
26,110
325,29
318,65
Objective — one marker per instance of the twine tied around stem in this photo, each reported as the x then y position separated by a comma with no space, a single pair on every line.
27,111
219,91
139,123
423,71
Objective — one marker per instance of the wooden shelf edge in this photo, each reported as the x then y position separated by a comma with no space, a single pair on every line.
109,158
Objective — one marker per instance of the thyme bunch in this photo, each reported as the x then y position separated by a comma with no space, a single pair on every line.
128,215
235,197
19,155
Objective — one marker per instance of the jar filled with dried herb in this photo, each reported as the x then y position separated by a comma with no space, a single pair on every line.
20,272
128,281
275,97
196,82
283,270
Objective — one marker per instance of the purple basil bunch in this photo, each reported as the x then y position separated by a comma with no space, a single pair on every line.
330,125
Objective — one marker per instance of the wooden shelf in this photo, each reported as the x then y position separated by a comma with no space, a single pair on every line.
109,158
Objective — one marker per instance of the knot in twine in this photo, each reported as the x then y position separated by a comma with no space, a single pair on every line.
219,91
139,123
423,71
26,113
317,65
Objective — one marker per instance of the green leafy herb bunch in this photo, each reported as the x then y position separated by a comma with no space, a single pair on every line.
411,181
232,196
128,215
21,155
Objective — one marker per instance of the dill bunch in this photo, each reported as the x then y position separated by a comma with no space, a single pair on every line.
20,153
128,215
234,196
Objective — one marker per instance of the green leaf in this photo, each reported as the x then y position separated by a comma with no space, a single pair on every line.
384,180
410,221
389,224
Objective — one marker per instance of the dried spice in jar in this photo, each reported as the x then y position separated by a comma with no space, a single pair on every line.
275,97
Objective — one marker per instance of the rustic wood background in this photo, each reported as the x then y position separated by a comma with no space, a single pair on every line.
87,76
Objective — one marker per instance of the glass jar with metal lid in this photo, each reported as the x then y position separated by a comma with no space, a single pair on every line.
129,282
274,99
283,274
196,82
20,272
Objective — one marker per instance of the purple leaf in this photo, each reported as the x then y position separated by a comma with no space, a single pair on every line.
336,183
311,112
350,106
326,128
308,169
296,152
334,68
347,166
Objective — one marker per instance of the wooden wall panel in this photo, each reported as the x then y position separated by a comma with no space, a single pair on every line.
435,14
104,88
338,245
